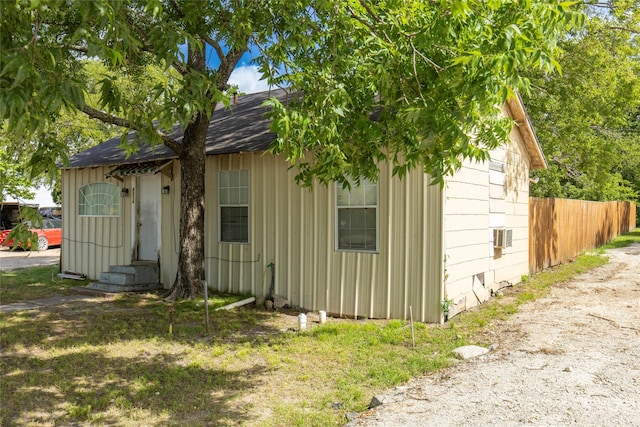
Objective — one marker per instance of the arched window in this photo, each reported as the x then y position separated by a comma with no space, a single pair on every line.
99,199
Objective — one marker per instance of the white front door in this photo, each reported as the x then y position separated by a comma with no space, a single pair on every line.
148,217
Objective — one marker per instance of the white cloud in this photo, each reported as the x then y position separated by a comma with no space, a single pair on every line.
41,197
247,77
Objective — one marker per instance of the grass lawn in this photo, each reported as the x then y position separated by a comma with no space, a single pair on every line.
34,283
114,361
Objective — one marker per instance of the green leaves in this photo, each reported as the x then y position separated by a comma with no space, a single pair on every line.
582,117
21,234
432,75
420,83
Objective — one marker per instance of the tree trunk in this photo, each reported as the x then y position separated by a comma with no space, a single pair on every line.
192,171
188,283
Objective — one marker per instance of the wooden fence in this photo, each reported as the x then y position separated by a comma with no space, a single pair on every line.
560,229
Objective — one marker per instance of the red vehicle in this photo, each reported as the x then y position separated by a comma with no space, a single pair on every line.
49,235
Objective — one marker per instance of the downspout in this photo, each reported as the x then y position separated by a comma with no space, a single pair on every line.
272,266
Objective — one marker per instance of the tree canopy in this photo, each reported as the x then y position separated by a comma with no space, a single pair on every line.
587,117
435,73
418,83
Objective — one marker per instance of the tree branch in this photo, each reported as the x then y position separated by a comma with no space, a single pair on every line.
147,47
629,30
78,48
177,8
227,62
179,67
108,118
366,24
118,121
215,45
370,12
230,61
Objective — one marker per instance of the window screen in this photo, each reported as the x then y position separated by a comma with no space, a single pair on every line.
357,217
234,206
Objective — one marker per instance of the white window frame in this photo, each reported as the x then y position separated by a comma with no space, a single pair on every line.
85,199
238,204
364,205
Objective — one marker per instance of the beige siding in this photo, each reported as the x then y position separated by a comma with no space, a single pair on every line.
476,200
170,228
91,244
513,262
293,228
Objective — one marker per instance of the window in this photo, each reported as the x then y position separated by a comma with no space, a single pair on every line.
234,206
99,199
357,217
52,223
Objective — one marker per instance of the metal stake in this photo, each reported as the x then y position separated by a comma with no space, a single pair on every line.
413,337
206,306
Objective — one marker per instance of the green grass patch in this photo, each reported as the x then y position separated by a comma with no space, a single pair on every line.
33,283
623,240
115,362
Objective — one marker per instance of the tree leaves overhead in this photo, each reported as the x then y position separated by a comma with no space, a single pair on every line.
69,131
433,73
585,117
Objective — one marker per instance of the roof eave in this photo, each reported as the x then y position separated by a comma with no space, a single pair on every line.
519,114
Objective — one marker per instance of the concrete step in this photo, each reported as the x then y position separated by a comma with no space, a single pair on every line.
114,288
128,278
118,278
142,273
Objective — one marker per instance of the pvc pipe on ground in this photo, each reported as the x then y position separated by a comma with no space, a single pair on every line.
237,304
302,321
323,317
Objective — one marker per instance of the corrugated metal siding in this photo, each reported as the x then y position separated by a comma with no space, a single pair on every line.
293,228
170,228
91,244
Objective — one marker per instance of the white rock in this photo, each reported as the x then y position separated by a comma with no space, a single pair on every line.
469,351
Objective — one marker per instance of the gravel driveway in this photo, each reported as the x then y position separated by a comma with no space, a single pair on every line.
571,358
10,260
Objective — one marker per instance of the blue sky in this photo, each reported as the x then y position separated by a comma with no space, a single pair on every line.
246,74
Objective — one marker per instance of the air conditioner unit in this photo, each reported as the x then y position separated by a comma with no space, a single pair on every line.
502,238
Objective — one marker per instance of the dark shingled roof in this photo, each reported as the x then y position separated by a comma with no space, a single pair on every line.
238,129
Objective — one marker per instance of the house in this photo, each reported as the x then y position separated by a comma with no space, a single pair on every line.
377,251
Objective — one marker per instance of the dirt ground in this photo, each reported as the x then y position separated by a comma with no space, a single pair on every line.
10,260
571,358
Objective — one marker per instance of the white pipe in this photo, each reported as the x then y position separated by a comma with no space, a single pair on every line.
237,304
302,321
323,317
